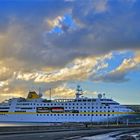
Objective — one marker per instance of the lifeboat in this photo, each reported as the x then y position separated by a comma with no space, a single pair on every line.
57,109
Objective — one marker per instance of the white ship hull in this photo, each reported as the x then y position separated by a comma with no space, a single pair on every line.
36,109
54,119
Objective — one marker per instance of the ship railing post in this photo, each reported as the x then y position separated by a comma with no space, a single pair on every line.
117,120
127,121
107,118
118,117
91,110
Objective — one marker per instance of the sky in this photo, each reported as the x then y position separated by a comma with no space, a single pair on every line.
60,44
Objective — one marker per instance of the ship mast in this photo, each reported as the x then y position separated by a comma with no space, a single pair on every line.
79,92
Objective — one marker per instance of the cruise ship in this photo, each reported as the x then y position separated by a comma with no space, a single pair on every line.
34,108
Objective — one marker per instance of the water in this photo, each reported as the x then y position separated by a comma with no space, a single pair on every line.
27,124
108,136
100,137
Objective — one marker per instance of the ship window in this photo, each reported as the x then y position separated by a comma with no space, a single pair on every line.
26,108
77,103
88,114
4,107
88,107
92,107
104,114
96,114
81,107
84,103
84,114
100,107
34,103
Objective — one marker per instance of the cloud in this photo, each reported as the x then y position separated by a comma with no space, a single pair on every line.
100,6
120,73
5,73
101,32
61,92
31,54
55,22
79,69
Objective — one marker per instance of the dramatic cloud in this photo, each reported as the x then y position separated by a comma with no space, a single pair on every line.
64,92
120,73
79,69
58,42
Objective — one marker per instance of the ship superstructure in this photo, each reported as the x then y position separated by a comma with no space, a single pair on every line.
81,109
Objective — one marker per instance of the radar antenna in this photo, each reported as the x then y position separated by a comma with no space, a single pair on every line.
79,92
